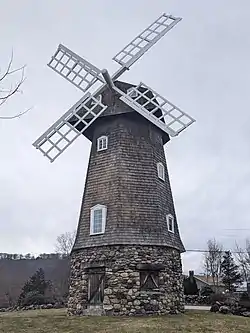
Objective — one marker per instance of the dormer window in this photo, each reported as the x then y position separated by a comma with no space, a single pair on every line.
102,143
98,215
170,222
132,93
161,171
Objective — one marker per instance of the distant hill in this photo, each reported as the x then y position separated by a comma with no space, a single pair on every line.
14,273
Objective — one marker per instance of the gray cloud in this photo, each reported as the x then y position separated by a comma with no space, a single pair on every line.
202,65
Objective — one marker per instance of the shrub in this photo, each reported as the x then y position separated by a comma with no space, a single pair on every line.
218,297
35,298
244,300
33,291
206,291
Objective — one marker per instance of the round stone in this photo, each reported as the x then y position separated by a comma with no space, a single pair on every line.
108,291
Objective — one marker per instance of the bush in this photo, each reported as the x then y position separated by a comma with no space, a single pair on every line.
35,298
33,291
217,297
244,300
206,291
244,296
230,301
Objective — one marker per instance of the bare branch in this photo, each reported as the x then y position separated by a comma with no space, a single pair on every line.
243,259
65,242
12,91
9,71
17,115
18,69
212,260
8,68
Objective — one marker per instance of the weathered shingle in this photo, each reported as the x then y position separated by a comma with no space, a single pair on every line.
124,178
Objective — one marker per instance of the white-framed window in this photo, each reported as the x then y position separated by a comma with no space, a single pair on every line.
161,171
102,143
170,222
132,93
98,215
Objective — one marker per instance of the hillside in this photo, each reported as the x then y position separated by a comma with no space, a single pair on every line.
14,273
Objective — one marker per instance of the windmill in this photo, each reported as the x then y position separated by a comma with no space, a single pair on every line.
126,256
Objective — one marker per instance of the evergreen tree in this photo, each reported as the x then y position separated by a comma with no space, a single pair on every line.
34,289
230,274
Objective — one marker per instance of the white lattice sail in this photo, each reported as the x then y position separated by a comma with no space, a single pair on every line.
75,69
145,40
67,128
156,109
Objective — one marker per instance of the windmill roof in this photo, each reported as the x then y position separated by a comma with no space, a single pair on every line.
208,280
117,107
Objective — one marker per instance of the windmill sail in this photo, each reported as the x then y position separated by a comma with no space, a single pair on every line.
145,40
75,69
156,109
84,75
67,128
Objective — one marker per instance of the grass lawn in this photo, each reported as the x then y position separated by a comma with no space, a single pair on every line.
55,321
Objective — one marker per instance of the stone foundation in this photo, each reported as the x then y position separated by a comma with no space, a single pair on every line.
125,269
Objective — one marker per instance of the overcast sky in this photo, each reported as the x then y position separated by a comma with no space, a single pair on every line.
202,65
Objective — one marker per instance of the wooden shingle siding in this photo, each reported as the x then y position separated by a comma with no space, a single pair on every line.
124,178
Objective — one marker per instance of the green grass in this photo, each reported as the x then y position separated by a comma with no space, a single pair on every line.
55,321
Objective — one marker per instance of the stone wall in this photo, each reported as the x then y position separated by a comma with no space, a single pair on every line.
197,300
122,293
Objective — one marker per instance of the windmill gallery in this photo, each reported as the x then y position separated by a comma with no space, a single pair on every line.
126,259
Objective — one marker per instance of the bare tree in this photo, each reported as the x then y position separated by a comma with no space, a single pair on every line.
243,258
7,93
9,298
212,260
65,242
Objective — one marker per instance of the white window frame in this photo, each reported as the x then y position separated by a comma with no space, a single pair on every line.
104,216
132,93
170,218
100,141
161,171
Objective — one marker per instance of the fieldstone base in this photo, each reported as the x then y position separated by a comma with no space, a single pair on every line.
123,289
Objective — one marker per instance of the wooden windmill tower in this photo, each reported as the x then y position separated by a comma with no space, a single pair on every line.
126,257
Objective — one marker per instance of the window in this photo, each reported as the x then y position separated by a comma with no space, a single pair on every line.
149,280
132,93
98,219
161,171
170,222
102,143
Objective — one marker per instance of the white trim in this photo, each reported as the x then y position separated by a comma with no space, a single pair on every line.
170,218
99,98
104,215
161,171
102,143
